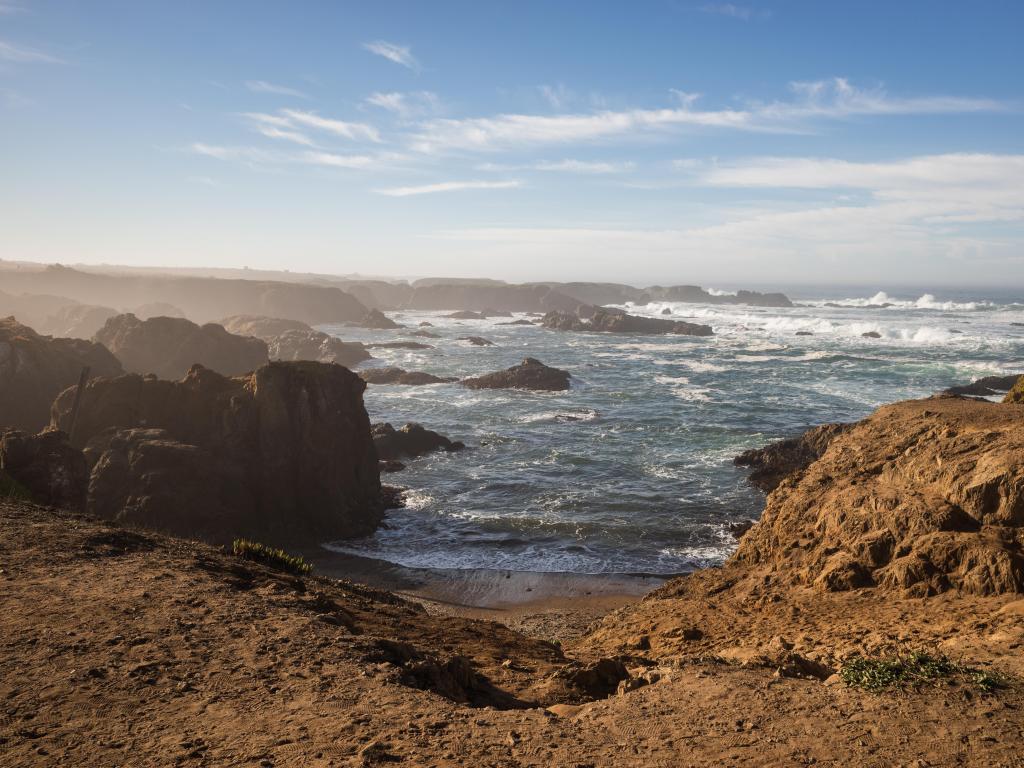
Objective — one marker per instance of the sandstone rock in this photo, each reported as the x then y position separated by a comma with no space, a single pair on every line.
776,461
283,453
170,346
35,369
315,345
46,465
377,319
596,680
614,321
923,496
400,376
529,374
410,441
476,341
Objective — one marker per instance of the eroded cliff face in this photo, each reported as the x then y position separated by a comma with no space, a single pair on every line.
923,496
34,369
169,346
284,452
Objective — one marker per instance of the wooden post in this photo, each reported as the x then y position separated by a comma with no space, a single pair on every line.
82,380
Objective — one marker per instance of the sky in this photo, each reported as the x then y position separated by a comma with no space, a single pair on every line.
727,144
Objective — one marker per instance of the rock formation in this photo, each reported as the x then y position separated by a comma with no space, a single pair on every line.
46,466
399,345
985,386
476,341
34,369
378,320
924,496
871,335
410,441
156,309
529,374
292,340
77,321
283,453
169,346
613,321
261,327
776,461
400,376
466,314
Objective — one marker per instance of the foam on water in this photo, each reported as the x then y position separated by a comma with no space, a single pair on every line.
631,470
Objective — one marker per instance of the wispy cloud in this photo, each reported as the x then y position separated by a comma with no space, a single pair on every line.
834,99
558,96
9,9
741,12
265,158
567,166
399,54
295,137
262,86
290,121
23,54
406,105
448,186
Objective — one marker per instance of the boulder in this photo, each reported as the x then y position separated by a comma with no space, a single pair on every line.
529,374
871,335
476,341
923,496
282,454
400,376
46,466
410,441
169,346
614,321
777,461
316,345
35,369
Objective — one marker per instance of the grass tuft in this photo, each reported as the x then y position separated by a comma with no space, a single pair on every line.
276,558
915,668
12,489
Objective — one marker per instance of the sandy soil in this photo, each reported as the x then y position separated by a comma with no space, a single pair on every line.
122,648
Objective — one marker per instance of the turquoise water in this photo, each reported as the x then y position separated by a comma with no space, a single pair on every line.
631,470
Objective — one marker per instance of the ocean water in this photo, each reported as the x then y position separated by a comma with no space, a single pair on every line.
631,470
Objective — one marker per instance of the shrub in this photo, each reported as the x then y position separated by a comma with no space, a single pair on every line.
275,558
912,669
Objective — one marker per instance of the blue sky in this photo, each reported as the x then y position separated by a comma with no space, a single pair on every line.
723,143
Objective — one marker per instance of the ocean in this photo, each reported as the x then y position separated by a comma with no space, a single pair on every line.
631,470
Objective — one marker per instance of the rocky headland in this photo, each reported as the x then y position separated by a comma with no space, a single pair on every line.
600,320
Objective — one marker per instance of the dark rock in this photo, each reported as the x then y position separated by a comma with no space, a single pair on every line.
410,441
399,345
871,335
985,386
426,324
283,454
476,341
46,465
169,346
776,461
425,335
400,376
466,314
521,321
377,319
529,374
804,333
596,680
666,311
613,321
35,369
738,529
390,465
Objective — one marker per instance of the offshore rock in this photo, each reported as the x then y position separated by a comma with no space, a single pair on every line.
400,376
614,321
410,441
529,374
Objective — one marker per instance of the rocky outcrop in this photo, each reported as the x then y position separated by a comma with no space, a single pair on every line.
157,309
466,314
410,441
1016,395
923,496
529,374
318,346
614,321
46,466
169,346
400,376
871,335
34,369
776,461
283,453
77,321
378,320
261,327
476,341
692,294
985,386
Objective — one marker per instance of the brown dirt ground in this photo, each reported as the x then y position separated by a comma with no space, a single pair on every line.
123,648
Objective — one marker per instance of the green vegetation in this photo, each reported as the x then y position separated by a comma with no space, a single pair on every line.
912,669
275,558
12,489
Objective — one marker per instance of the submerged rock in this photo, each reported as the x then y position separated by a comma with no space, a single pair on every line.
425,334
34,369
170,346
871,335
400,376
520,321
613,321
283,453
410,441
476,341
399,345
529,374
466,314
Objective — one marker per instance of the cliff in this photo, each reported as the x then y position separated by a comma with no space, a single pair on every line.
283,452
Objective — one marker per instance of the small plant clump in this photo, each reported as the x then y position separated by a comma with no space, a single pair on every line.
912,669
12,489
276,558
